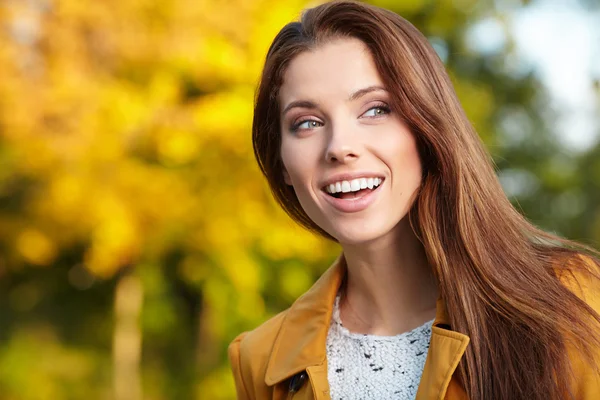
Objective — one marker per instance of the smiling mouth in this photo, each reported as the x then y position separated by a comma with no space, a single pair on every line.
353,189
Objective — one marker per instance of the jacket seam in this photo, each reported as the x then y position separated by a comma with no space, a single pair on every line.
447,379
274,353
239,367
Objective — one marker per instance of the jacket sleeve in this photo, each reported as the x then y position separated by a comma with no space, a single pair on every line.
586,286
236,366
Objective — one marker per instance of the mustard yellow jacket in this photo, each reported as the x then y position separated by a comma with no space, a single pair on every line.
285,358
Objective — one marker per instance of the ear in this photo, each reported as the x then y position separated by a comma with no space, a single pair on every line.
286,177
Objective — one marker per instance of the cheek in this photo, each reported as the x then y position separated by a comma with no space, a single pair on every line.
299,159
413,161
404,159
293,167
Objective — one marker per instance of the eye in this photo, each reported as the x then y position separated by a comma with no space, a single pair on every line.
306,124
376,111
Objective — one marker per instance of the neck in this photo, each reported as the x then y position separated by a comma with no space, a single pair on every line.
390,287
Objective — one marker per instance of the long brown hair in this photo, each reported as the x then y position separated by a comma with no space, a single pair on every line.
499,275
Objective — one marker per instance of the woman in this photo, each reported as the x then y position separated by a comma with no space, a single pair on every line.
443,289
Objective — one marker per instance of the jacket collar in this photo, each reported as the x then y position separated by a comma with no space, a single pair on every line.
301,340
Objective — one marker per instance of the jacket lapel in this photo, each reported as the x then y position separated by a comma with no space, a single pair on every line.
446,349
301,340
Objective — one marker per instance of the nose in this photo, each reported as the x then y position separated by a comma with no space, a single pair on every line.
343,146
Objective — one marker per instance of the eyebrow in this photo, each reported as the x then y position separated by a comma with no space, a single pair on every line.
354,96
299,104
361,92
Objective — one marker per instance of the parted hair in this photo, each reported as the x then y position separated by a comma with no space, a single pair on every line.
499,275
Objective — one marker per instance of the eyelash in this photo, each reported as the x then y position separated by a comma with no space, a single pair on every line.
382,106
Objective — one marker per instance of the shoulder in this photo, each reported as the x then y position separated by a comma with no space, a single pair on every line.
249,355
581,275
260,340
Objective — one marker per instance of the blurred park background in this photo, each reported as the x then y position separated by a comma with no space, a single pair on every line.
137,237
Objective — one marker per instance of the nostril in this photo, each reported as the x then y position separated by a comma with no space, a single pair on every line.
340,154
331,158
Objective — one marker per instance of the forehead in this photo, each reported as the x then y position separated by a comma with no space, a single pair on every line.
335,68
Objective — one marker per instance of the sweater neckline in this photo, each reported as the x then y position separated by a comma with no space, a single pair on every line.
419,331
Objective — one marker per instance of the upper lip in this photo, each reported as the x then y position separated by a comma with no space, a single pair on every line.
349,177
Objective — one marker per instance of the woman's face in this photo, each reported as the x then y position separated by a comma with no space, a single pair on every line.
352,162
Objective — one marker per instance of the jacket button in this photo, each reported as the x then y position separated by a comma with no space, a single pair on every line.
297,381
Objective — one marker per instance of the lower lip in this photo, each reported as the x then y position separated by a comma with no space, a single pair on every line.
355,204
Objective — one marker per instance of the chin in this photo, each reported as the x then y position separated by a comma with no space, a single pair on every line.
363,231
359,234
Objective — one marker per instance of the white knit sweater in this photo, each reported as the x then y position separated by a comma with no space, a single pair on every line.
362,366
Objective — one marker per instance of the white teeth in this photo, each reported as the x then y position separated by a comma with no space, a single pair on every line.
353,186
346,187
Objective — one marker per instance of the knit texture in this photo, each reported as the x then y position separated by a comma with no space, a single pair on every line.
362,366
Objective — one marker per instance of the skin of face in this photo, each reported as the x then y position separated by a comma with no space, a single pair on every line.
336,119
